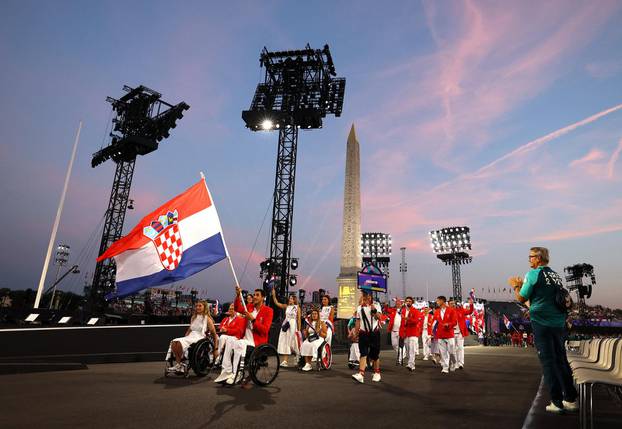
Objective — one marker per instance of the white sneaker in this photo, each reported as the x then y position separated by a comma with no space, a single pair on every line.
284,364
552,408
571,406
173,368
444,371
376,377
307,367
452,368
425,358
222,377
411,368
230,380
358,377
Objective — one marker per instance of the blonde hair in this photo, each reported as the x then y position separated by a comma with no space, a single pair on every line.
205,310
542,253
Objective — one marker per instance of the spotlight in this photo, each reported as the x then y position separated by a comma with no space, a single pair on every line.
93,321
293,280
267,124
294,263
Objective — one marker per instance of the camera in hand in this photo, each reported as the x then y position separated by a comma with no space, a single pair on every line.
374,311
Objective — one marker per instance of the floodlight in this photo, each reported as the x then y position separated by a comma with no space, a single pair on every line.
294,264
267,124
450,245
293,280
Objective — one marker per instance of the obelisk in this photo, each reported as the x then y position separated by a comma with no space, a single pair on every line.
351,238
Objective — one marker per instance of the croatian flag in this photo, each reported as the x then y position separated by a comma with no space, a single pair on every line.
507,322
178,239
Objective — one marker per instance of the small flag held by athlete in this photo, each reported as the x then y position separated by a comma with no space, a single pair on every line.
178,239
507,322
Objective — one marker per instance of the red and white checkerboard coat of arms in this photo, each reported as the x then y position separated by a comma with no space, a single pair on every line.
167,240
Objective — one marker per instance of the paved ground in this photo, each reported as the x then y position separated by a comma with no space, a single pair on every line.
496,390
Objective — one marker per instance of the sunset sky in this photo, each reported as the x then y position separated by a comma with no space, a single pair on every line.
503,116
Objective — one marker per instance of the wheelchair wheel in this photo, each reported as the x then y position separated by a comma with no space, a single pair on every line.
201,356
325,356
264,364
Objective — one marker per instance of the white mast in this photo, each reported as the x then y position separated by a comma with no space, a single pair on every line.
61,203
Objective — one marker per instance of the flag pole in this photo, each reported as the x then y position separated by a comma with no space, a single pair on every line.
59,211
222,235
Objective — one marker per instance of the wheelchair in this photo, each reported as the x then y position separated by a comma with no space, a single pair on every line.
261,364
199,358
323,360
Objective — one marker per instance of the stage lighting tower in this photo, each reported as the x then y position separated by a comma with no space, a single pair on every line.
575,275
376,249
142,120
298,90
451,245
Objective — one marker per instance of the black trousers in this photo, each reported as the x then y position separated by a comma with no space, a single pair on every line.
555,368
369,344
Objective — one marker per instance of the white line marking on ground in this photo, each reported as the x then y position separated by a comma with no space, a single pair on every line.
527,424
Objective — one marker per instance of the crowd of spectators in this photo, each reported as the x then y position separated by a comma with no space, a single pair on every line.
509,339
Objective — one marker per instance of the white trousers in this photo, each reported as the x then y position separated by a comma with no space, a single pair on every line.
222,342
446,347
288,343
234,351
412,348
395,339
426,340
459,340
355,354
309,348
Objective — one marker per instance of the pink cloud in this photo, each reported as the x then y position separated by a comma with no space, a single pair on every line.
570,234
592,156
612,161
487,64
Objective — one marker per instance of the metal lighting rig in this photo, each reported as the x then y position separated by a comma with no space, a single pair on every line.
575,275
142,121
451,245
299,89
376,249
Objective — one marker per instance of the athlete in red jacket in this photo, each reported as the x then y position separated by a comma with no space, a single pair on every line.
258,315
412,325
461,330
257,318
445,319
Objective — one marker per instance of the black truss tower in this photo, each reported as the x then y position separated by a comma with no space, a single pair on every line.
283,208
575,275
142,121
298,91
455,280
451,245
113,224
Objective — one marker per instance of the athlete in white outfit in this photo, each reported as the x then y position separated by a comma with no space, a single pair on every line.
289,335
395,326
327,315
315,334
200,324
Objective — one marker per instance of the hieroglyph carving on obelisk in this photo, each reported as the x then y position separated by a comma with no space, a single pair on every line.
351,239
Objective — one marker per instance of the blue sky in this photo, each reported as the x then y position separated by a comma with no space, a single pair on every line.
444,97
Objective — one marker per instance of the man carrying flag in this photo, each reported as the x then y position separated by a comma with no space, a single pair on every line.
178,239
